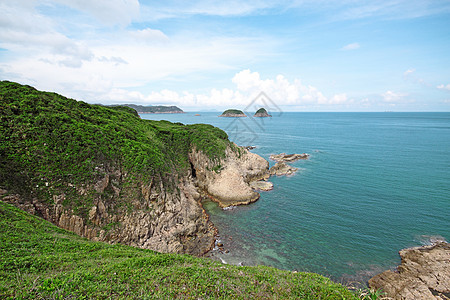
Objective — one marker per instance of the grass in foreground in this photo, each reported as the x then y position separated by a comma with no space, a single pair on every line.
41,261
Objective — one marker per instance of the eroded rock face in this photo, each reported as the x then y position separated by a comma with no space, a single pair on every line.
424,273
229,185
152,215
145,215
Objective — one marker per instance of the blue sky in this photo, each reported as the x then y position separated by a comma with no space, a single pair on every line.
321,55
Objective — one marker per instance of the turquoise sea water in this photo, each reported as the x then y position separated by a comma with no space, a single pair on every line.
375,183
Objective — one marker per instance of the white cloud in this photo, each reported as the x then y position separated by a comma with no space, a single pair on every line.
248,85
352,46
409,72
149,35
25,31
109,12
390,96
444,87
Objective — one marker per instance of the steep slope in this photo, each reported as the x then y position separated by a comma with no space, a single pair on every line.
41,261
104,173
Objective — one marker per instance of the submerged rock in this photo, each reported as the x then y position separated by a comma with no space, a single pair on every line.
261,185
283,157
281,168
423,274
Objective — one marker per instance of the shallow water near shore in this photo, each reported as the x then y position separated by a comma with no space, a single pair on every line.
375,183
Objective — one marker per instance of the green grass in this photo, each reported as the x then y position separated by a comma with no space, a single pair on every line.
41,261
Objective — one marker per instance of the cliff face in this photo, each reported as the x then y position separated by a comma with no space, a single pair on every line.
148,215
132,213
105,174
229,184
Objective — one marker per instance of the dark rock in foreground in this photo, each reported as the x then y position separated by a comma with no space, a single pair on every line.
423,274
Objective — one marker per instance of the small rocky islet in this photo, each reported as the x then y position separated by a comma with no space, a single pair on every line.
262,113
233,113
236,113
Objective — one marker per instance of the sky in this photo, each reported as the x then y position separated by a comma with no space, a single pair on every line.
305,55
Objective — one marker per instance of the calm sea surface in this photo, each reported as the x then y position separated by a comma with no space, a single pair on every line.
375,183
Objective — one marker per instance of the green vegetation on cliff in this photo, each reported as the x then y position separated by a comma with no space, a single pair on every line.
49,143
41,261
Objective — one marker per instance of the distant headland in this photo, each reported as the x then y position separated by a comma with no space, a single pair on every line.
156,109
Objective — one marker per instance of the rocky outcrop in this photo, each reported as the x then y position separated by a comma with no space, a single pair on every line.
424,273
261,185
281,168
229,184
261,113
140,214
233,113
283,157
164,215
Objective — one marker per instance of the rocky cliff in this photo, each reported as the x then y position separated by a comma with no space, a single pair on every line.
228,183
135,213
424,273
105,174
151,216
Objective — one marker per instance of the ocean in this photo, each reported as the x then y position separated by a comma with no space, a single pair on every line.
375,183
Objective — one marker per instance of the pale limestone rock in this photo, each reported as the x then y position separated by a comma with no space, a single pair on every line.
281,168
423,274
261,185
229,186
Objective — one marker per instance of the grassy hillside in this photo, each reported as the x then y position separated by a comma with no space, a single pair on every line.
41,261
49,143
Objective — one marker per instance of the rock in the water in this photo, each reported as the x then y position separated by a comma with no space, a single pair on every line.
233,113
423,274
261,185
229,186
261,113
281,168
283,157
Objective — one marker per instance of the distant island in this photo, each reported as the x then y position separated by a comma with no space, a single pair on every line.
233,113
156,109
262,113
